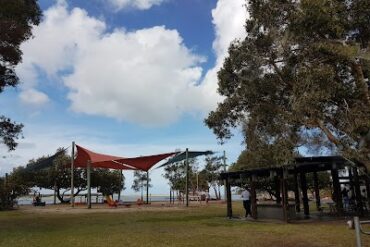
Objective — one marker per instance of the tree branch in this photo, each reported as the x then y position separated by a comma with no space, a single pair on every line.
328,133
360,81
279,73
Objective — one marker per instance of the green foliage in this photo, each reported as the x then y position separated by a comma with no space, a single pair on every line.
323,179
16,20
9,132
211,174
107,182
11,187
300,79
140,181
176,175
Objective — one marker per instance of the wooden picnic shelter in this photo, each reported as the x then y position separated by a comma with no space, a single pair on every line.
343,172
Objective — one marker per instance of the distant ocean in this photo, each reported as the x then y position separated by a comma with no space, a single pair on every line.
49,199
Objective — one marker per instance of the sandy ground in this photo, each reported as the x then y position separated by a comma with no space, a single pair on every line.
104,208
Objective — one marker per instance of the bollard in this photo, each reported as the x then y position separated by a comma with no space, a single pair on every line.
356,222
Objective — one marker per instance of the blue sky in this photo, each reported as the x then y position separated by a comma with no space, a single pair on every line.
123,77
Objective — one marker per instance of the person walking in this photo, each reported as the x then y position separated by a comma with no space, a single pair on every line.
246,201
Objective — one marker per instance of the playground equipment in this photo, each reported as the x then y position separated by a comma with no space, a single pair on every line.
111,202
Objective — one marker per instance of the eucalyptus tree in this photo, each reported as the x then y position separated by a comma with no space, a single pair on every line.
300,79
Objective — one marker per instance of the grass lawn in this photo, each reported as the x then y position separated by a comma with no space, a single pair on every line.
200,226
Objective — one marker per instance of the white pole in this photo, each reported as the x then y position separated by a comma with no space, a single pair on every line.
120,185
72,175
89,184
225,191
147,187
187,177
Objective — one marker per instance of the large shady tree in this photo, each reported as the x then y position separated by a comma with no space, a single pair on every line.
17,18
300,78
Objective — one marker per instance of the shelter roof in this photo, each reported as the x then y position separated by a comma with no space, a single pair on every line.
301,164
99,160
44,163
182,156
144,163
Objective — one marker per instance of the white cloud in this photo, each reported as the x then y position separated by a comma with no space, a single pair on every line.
33,97
146,76
137,4
229,18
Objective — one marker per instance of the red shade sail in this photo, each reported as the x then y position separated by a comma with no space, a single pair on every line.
144,163
98,160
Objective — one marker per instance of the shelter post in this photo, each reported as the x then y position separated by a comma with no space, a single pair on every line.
88,184
72,175
187,177
277,186
359,207
337,196
253,197
228,199
306,207
296,194
147,187
120,185
367,185
351,181
284,190
317,191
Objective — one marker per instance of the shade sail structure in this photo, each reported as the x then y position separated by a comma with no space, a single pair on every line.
99,160
182,156
144,163
44,163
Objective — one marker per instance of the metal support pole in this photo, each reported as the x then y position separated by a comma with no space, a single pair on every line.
120,185
147,187
72,175
224,160
187,177
170,196
88,184
356,221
